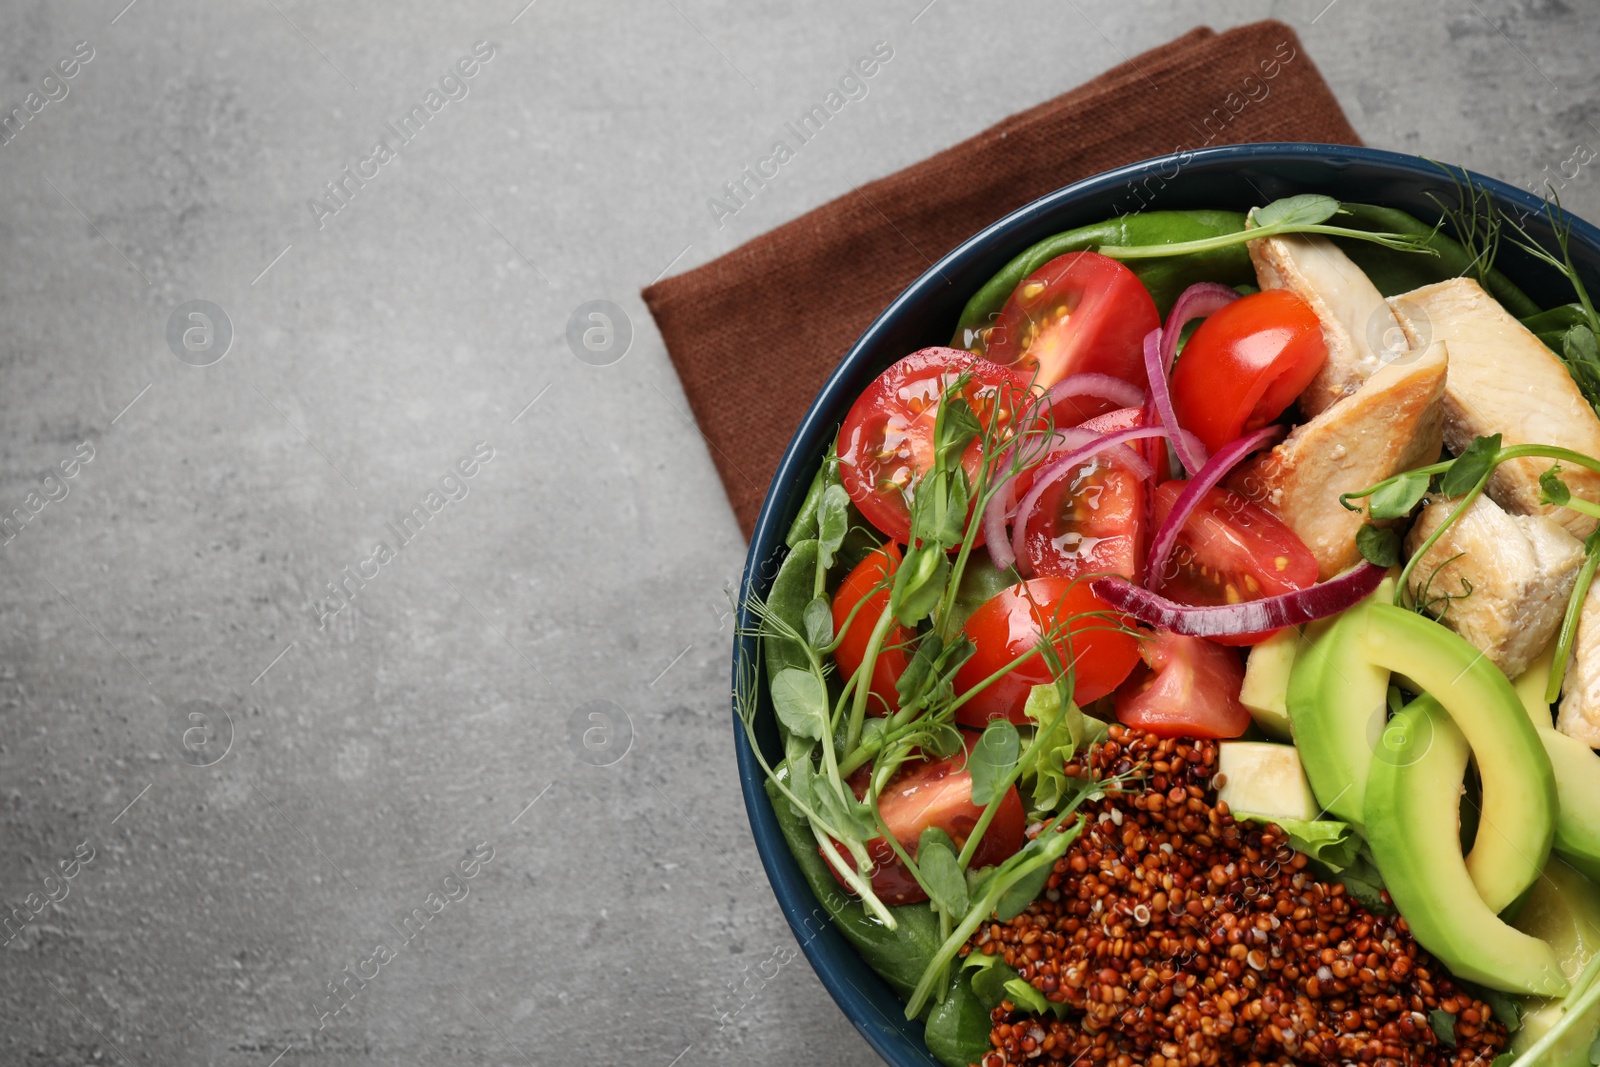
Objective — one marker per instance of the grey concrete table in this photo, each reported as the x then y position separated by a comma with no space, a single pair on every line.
243,348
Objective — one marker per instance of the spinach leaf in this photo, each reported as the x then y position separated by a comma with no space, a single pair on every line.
993,758
900,955
957,1032
1474,462
1444,1026
1024,891
801,701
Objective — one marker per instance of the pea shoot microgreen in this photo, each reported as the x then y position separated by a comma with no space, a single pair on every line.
1306,213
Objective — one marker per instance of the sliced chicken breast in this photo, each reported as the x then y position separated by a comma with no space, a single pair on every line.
1504,380
1516,572
1391,424
1358,327
1579,714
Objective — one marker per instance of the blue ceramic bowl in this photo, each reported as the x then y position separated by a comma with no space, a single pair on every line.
1235,177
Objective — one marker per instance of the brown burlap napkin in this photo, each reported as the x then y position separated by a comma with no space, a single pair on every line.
755,333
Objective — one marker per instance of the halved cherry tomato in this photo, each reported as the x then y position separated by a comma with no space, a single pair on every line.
1230,551
886,442
1092,520
937,793
1187,687
1078,313
857,588
1011,625
1245,365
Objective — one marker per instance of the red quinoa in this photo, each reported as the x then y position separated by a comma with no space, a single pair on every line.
1177,936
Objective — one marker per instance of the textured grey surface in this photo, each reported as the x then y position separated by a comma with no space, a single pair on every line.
623,917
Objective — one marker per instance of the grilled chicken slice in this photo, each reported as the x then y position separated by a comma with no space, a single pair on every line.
1518,569
1579,714
1504,380
1358,327
1391,424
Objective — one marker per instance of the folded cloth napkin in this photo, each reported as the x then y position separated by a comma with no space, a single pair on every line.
756,332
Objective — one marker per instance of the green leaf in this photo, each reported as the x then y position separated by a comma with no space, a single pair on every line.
1335,845
833,524
957,1030
805,523
989,978
900,955
1395,498
1552,490
1378,545
791,591
1307,209
1507,1008
947,886
845,817
919,584
801,701
942,739
1579,345
1594,1053
955,511
1444,1026
992,760
1469,467
819,623
958,425
1024,891
1025,997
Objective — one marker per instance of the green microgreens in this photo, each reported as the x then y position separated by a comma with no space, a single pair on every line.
1464,477
1306,213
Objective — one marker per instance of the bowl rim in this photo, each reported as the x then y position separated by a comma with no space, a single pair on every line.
898,1041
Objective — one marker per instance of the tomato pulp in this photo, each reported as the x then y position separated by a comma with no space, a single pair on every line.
1079,313
1010,625
1230,551
868,585
886,442
937,794
1245,365
1187,687
1093,519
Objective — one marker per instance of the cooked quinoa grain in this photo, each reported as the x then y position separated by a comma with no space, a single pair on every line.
1176,936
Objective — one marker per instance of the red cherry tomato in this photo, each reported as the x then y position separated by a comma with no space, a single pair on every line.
1090,521
1188,687
937,793
1081,312
886,442
1010,625
857,588
1245,365
1230,551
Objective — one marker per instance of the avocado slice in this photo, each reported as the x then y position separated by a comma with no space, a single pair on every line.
1563,909
1264,778
1518,816
1337,700
1577,770
1413,807
1266,681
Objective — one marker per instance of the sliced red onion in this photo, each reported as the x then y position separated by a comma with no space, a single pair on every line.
1251,616
1004,500
1060,468
1121,393
1191,453
1203,480
1196,302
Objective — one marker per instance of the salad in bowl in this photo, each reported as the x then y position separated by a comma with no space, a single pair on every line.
1196,659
